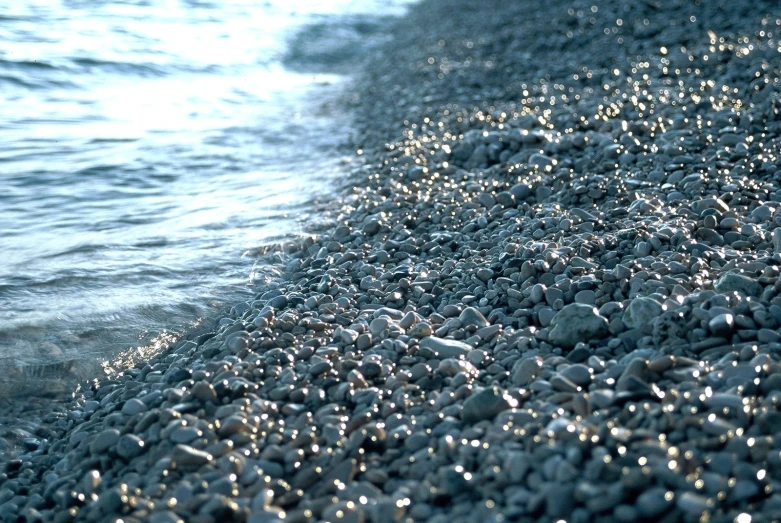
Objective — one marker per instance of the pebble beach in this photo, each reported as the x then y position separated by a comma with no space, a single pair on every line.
548,292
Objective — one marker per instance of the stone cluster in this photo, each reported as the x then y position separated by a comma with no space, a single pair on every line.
553,294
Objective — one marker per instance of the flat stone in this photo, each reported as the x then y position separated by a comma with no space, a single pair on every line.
133,406
186,456
722,325
562,384
709,203
577,322
693,504
578,373
445,348
184,434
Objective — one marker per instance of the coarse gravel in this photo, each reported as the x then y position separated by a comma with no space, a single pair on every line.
549,292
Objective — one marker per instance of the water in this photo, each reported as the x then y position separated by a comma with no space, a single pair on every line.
149,148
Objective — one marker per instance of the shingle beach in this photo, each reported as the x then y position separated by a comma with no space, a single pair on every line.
550,291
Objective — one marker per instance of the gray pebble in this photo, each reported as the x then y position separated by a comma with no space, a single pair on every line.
104,441
486,404
577,322
445,348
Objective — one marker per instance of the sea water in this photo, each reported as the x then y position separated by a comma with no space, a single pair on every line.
149,149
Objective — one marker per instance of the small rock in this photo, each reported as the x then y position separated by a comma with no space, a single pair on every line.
722,325
129,446
188,457
472,316
577,322
133,406
485,404
732,281
578,374
104,441
641,312
445,348
654,502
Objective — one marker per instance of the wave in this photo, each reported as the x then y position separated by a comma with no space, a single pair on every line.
336,45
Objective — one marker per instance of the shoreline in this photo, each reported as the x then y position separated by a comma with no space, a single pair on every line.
552,294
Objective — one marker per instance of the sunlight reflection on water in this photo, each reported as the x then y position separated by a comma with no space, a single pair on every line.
146,148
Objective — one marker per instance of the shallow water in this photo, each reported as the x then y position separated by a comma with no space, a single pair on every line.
148,149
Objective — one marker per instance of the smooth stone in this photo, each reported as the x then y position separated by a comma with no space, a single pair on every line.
635,374
184,434
720,400
133,406
562,384
768,336
472,316
641,312
777,240
693,504
575,323
484,274
525,371
731,281
552,294
587,297
321,367
763,213
420,330
722,325
378,325
521,191
709,203
578,373
203,391
654,502
486,404
546,315
445,348
104,441
393,314
129,446
187,456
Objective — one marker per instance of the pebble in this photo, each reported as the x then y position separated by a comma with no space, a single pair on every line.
445,348
129,446
104,441
654,502
641,312
187,456
577,322
486,404
730,281
133,406
472,316
578,374
722,325
524,312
